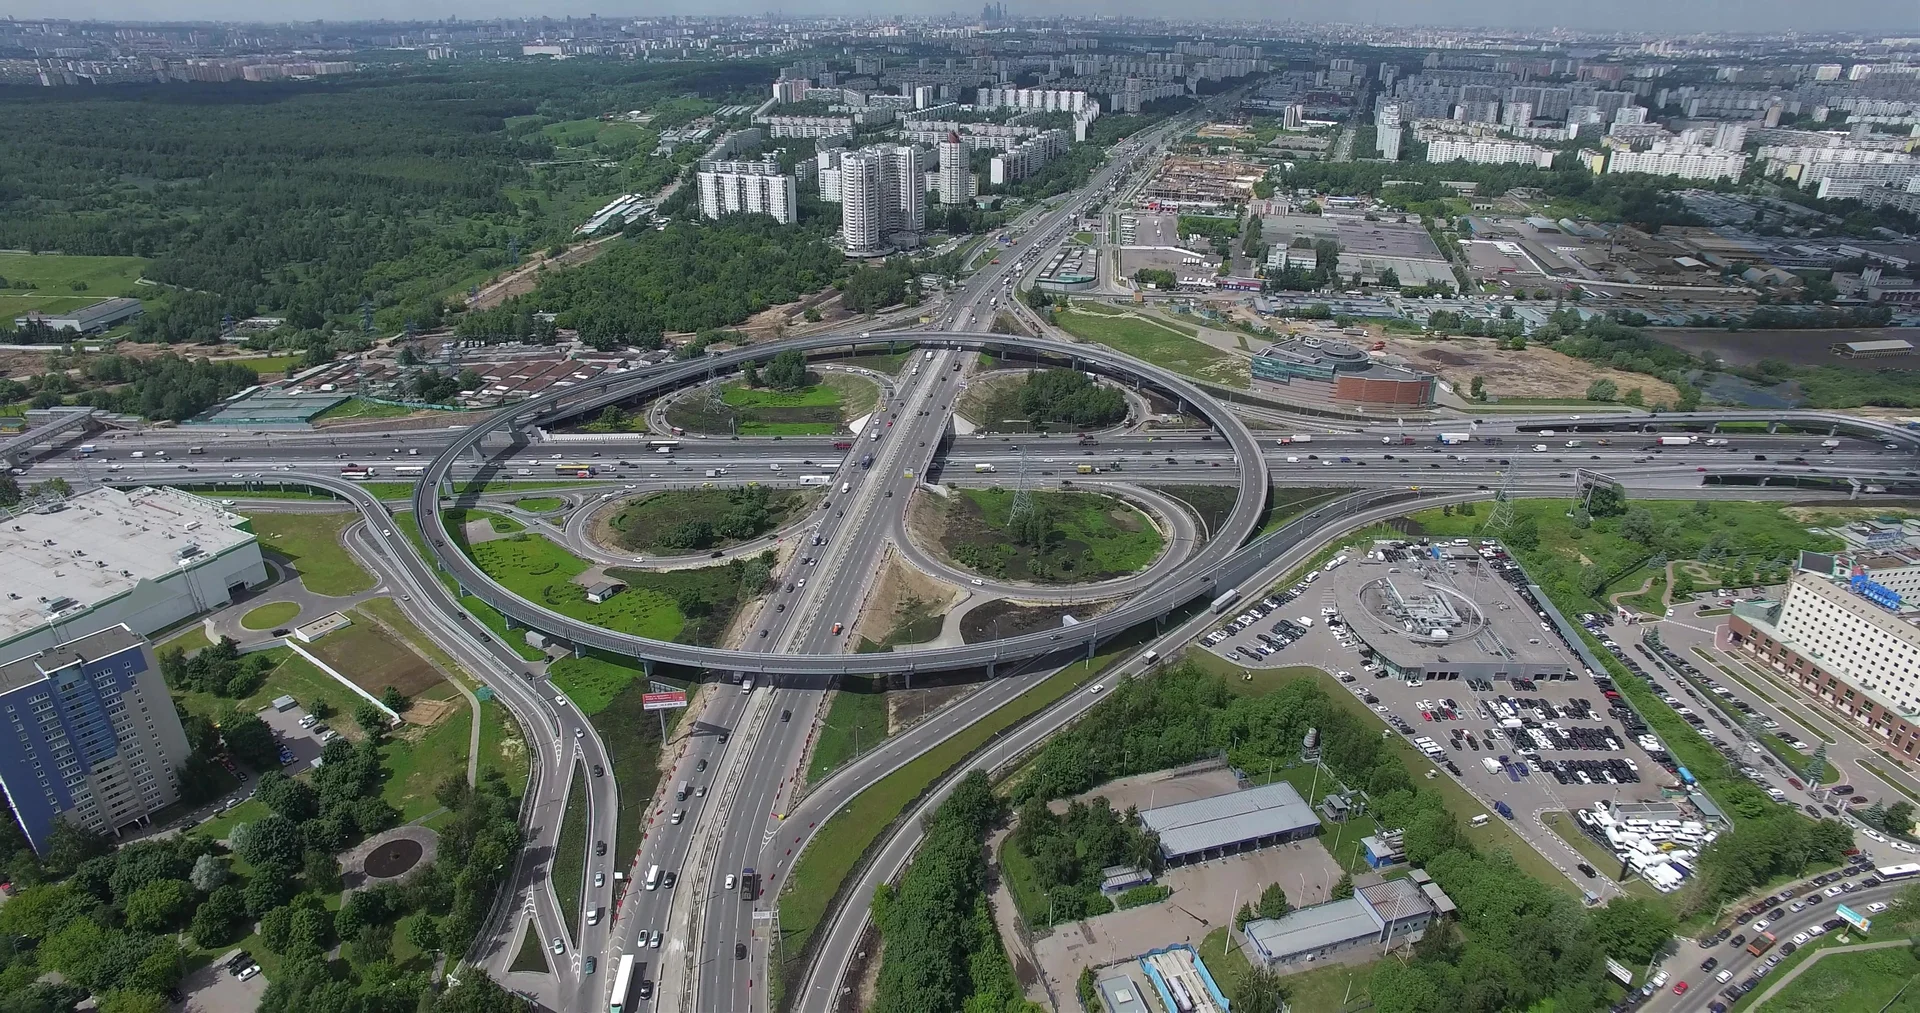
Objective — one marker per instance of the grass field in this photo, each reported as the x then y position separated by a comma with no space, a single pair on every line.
1211,503
569,867
291,675
488,616
1600,858
813,410
592,681
989,403
1090,536
1867,981
501,525
641,522
1157,343
54,275
879,362
268,364
541,571
837,848
417,760
1284,504
632,737
268,616
388,611
189,640
914,622
540,504
532,956
362,408
855,721
311,543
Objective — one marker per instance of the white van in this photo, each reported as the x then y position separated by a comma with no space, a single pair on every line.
1478,821
653,877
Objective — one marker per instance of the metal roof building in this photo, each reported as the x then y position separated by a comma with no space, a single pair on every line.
1379,915
1237,821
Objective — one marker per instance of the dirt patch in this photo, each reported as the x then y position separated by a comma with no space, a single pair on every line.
1531,372
374,660
522,279
906,706
901,588
427,713
1000,619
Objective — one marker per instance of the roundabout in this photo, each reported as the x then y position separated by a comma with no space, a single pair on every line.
1195,577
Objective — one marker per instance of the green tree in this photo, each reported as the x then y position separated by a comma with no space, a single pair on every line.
751,375
1631,929
209,872
371,719
250,741
1479,388
1342,887
1273,902
1259,991
160,905
1524,534
1899,818
127,1000
217,919
787,371
394,700
272,840
1603,390
9,491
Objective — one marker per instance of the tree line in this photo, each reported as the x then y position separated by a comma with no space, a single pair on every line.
1072,397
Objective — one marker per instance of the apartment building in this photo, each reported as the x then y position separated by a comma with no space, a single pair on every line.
881,196
1488,152
1687,161
728,187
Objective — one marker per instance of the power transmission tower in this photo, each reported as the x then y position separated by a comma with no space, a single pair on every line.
1502,514
1022,493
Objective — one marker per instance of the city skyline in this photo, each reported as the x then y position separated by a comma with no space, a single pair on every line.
1715,16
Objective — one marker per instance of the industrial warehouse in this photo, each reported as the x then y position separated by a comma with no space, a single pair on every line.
1222,825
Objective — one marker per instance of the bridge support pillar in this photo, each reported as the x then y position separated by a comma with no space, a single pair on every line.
1833,430
991,665
1772,428
506,620
1763,479
578,651
646,665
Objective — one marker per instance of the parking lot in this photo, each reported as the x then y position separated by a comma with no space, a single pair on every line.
300,744
215,988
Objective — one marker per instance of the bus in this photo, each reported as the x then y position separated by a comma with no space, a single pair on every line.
663,443
622,981
411,469
356,472
574,469
653,872
1897,871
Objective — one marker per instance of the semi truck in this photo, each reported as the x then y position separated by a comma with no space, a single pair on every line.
1220,604
982,469
1454,439
1286,441
1829,444
815,479
1677,441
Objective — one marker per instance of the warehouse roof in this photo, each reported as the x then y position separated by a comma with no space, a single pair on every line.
1313,928
1229,819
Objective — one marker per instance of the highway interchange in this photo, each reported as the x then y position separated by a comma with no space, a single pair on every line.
742,758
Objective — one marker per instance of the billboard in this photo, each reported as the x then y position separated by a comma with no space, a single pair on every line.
1854,918
1619,972
661,696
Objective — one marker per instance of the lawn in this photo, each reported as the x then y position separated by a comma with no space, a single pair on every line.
1319,991
879,362
632,738
855,721
460,517
540,504
641,523
1088,536
993,401
592,681
540,571
1603,861
362,408
502,745
268,363
1158,344
189,640
420,758
568,869
291,675
1213,504
1861,980
54,275
831,856
1285,503
488,616
387,611
270,615
533,954
311,543
816,409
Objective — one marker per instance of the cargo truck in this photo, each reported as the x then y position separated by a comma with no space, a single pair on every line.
1761,943
1220,604
1085,469
1830,444
1677,441
983,468
1453,439
1295,438
815,479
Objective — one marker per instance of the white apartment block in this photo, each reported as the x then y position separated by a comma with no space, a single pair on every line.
791,89
956,179
1044,99
1387,130
1687,161
1849,652
1025,160
757,187
881,195
1485,152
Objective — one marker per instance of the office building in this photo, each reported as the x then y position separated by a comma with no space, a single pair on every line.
1387,130
1340,372
1489,152
956,178
146,558
1687,161
755,187
1847,642
1381,915
94,736
881,197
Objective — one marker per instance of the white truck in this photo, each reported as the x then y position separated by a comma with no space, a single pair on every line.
982,469
1829,444
1539,448
1454,439
1295,438
815,479
1716,442
1492,765
846,487
1677,441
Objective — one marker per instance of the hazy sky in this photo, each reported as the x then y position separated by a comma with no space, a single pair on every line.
1891,16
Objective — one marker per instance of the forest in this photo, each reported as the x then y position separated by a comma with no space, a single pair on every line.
304,198
165,387
1066,395
1629,197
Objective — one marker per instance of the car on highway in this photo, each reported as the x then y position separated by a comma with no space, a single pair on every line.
599,771
739,951
559,947
599,847
588,966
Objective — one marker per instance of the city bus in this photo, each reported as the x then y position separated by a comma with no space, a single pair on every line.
1889,872
574,469
411,469
622,981
663,443
355,471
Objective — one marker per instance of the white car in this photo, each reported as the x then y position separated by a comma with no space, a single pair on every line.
729,881
1800,938
1097,687
1875,835
1834,891
1758,927
1876,907
1817,930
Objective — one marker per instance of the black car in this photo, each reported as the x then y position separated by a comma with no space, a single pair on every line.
599,847
599,771
281,632
786,715
1586,870
1710,963
645,988
1738,941
668,879
739,951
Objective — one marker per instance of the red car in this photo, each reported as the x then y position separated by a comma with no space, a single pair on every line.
1680,989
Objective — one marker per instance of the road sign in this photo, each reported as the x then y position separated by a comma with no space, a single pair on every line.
1854,918
1619,971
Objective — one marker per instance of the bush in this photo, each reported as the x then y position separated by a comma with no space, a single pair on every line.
1152,893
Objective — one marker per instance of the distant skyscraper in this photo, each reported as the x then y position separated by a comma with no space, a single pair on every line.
95,738
955,177
882,193
1387,130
